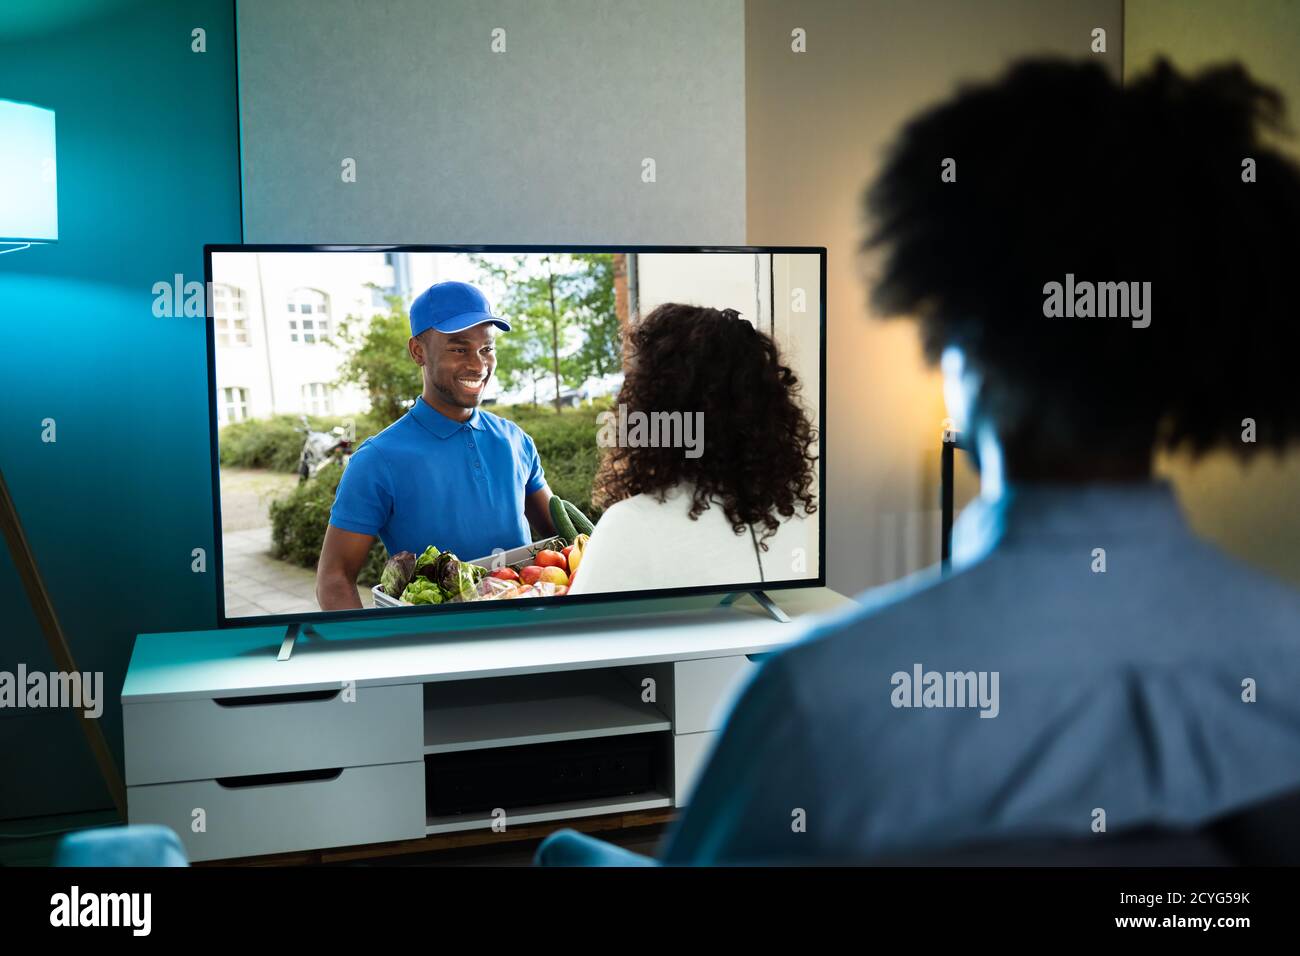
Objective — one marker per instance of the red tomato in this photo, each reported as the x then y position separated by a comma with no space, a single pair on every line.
566,552
552,559
505,574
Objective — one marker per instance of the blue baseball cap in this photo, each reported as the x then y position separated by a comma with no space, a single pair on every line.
452,307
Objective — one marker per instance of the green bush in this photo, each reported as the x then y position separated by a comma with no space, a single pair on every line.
298,523
566,443
273,443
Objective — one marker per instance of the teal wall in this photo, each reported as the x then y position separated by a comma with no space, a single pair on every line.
148,171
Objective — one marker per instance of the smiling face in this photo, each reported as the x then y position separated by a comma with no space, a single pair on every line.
456,365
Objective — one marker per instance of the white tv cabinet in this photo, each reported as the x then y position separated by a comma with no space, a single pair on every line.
243,755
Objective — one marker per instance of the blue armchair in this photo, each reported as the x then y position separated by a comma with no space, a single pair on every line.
139,845
571,848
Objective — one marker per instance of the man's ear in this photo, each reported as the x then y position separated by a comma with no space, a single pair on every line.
416,349
960,387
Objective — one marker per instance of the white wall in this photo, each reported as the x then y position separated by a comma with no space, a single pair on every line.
796,284
716,281
816,125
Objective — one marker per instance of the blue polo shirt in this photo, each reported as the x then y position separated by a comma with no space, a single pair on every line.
428,480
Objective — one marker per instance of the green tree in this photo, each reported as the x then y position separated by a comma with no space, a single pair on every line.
377,360
551,302
591,290
521,354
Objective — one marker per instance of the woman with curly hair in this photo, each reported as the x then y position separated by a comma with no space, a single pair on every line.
730,507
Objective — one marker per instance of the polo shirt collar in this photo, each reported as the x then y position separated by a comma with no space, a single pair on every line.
439,424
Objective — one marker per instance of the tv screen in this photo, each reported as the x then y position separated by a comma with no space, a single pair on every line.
408,429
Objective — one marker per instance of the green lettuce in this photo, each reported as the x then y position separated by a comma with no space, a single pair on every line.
397,573
422,591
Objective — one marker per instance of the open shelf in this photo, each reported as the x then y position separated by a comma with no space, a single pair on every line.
651,800
534,709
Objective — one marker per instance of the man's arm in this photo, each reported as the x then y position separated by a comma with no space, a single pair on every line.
341,558
537,509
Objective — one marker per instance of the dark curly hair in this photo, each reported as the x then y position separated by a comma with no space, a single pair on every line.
759,453
1060,169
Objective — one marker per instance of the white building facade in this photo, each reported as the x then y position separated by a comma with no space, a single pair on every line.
276,317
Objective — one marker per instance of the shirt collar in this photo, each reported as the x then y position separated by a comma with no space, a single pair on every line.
1067,512
439,424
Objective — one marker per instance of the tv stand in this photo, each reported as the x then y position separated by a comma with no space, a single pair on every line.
765,602
333,749
291,637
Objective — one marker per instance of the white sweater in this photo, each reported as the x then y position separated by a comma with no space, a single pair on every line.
641,543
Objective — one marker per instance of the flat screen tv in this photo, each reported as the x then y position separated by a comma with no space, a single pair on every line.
405,430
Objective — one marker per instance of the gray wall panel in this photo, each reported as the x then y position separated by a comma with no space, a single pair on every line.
455,143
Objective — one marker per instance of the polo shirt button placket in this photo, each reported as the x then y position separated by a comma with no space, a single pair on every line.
469,443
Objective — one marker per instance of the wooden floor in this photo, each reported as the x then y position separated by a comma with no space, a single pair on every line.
639,832
32,842
643,840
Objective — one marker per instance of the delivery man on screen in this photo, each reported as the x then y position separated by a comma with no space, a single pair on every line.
446,473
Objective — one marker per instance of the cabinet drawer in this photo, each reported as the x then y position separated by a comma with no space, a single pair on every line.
249,817
704,690
690,752
199,739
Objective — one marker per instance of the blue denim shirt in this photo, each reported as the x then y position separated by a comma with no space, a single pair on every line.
1118,690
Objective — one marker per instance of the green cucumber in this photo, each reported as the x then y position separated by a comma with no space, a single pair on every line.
578,521
560,518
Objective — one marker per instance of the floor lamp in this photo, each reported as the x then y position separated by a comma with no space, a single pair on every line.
29,215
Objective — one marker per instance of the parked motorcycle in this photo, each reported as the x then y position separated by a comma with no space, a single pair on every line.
319,448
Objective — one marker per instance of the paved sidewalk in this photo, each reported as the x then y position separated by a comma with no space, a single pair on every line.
258,584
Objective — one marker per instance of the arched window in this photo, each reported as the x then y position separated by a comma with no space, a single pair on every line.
230,316
309,316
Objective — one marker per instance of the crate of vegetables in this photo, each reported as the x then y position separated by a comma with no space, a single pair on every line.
540,569
432,577
549,561
521,556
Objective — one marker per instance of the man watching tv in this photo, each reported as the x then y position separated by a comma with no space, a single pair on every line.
447,473
1092,667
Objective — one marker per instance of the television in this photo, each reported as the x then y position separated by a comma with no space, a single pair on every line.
382,446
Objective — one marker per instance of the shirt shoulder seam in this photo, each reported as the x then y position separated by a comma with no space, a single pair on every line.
378,450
